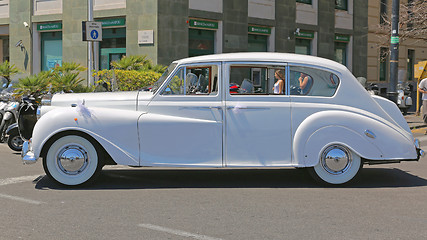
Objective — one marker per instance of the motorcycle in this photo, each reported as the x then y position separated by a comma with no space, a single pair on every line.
9,117
14,141
404,101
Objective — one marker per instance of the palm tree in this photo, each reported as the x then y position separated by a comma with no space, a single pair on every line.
34,85
7,70
138,63
66,77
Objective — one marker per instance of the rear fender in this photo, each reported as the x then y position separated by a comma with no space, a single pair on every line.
385,141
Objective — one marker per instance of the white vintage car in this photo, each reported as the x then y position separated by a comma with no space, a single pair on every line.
226,111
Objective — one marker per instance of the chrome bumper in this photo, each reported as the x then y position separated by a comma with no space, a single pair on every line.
27,154
420,152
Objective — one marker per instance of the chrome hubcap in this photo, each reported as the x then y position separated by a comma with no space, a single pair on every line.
336,159
72,159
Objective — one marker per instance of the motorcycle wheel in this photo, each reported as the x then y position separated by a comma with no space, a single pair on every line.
15,141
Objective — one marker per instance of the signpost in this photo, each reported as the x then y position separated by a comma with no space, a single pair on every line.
92,31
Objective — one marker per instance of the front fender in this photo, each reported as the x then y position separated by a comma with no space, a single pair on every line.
348,128
115,130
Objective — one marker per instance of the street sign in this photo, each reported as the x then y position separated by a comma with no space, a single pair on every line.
92,31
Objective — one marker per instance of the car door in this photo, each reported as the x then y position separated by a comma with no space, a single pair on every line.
183,126
257,121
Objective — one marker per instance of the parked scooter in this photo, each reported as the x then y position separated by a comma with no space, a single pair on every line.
9,117
14,140
404,100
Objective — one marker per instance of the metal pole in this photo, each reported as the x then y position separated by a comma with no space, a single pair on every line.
394,46
89,45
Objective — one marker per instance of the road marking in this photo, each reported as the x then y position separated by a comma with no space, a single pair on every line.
177,232
25,200
8,181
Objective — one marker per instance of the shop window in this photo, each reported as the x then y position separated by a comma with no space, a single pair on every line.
383,64
341,4
410,66
305,1
312,82
201,42
112,47
303,46
341,53
51,48
383,10
257,43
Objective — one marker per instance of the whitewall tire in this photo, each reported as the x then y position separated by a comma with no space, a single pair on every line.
72,160
337,165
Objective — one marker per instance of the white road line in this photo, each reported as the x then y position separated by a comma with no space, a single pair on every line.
25,200
8,181
177,232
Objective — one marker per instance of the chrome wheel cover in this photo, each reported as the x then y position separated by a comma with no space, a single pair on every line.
72,159
336,159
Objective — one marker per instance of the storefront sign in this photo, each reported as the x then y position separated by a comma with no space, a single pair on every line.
115,22
342,38
49,26
259,30
303,34
203,24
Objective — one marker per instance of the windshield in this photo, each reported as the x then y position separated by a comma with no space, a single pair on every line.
165,75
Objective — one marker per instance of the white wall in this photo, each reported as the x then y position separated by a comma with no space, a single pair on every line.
264,9
206,5
4,8
43,7
108,4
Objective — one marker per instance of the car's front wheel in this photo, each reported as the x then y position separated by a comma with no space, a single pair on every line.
72,160
337,165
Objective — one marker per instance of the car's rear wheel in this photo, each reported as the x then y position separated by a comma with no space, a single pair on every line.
72,160
337,165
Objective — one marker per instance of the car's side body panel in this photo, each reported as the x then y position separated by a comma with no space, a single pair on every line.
115,130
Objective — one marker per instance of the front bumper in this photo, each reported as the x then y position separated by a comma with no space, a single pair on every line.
27,153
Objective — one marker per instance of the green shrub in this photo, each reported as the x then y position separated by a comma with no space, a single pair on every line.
126,80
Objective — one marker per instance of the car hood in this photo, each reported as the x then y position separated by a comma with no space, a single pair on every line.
121,100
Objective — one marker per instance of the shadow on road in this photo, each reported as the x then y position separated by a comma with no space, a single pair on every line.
235,178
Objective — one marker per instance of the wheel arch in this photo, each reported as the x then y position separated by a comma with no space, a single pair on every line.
325,128
103,155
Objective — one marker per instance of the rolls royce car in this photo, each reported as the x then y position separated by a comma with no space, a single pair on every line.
237,110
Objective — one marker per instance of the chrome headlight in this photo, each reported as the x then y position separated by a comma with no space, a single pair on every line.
38,113
46,100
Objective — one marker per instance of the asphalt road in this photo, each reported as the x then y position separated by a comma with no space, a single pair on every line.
386,202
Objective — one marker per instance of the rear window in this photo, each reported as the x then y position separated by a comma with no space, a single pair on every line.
312,82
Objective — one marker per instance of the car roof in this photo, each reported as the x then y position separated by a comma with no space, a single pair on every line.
265,56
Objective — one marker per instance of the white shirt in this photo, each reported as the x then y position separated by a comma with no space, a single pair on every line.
423,85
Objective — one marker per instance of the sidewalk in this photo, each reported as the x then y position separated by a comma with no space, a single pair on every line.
414,121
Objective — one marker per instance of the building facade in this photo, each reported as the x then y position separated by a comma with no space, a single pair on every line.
411,51
37,35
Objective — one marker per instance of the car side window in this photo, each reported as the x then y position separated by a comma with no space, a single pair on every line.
257,80
194,80
312,81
